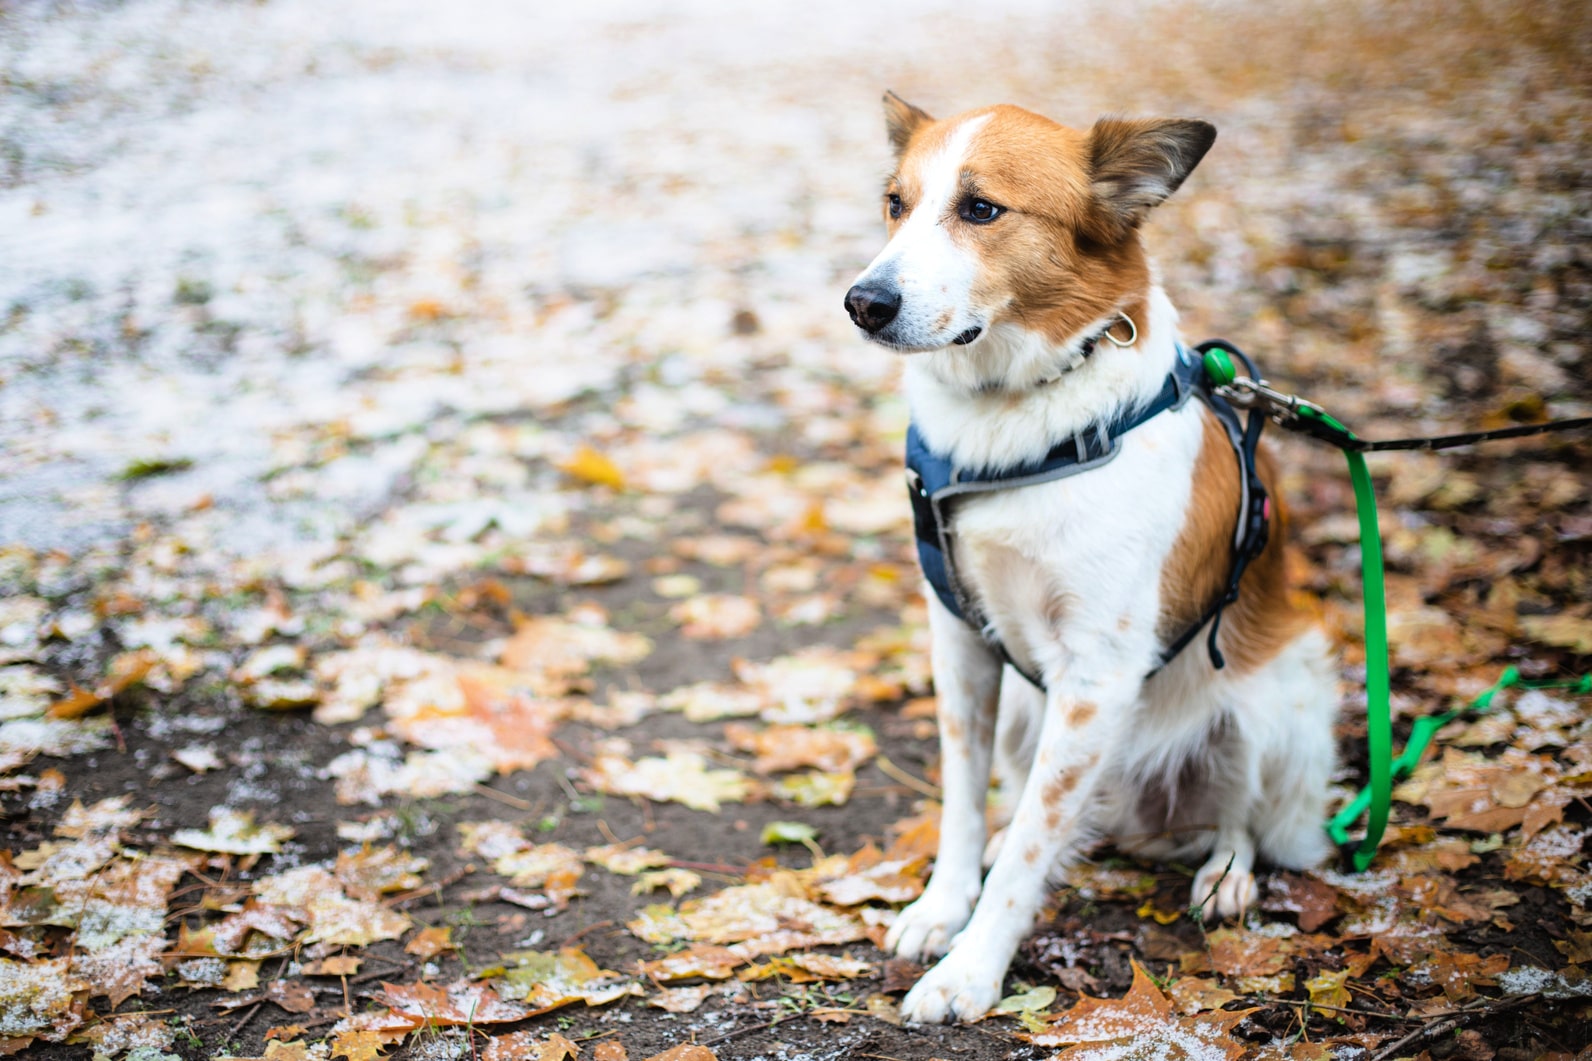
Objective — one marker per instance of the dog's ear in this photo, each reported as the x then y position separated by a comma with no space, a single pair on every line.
1135,164
901,120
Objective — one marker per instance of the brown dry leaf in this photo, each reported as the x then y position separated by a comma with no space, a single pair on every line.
552,652
430,942
488,711
40,998
106,817
686,1052
770,917
783,748
547,980
1140,1024
917,836
125,671
241,976
339,965
700,959
1198,994
626,859
523,1046
690,999
675,881
460,1003
831,967
1459,974
371,872
1551,857
1312,899
1467,790
889,880
567,564
1326,988
1576,946
815,788
317,898
554,868
233,832
814,684
680,777
231,935
610,1050
359,1045
1560,631
717,616
118,971
291,996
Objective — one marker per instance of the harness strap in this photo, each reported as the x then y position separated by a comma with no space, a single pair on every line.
935,485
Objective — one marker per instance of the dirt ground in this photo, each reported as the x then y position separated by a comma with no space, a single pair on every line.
423,416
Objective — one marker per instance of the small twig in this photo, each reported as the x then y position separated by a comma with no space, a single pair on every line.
709,867
434,888
895,773
232,1032
1325,1008
1448,1021
594,926
503,797
749,1029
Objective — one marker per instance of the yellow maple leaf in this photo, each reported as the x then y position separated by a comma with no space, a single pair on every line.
589,466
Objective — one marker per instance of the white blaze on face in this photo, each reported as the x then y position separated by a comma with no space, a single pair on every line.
934,276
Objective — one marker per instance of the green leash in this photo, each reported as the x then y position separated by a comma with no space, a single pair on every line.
1375,799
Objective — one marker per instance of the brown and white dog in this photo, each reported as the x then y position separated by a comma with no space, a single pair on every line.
1014,241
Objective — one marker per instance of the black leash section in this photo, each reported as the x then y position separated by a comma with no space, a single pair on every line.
1470,437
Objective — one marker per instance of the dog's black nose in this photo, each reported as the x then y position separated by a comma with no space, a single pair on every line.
871,308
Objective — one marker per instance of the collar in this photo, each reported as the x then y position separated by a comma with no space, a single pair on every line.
1085,348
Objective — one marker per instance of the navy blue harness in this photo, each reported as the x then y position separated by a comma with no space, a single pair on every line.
936,486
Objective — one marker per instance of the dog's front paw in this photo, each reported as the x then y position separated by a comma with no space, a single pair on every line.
960,987
925,929
1223,889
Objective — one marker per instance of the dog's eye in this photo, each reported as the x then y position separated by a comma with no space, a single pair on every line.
894,202
980,211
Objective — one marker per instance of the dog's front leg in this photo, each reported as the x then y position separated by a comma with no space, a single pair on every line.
1083,715
967,676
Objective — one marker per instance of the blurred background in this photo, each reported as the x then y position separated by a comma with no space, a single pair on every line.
234,233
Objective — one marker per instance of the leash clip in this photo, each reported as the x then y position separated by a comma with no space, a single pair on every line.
1249,393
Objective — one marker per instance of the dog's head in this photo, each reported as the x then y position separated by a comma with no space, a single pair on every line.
1000,216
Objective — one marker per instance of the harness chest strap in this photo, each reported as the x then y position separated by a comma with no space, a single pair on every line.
935,485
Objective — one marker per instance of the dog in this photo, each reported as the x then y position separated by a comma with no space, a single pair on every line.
1015,281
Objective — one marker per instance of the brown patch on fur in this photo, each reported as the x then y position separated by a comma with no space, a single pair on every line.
1081,713
1031,855
1059,787
1264,619
1039,269
953,728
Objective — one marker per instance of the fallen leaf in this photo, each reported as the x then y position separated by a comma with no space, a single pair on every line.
233,832
717,616
1140,1024
681,777
783,748
589,466
430,942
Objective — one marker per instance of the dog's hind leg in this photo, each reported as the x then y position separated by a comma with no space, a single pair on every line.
967,675
1016,737
1271,794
